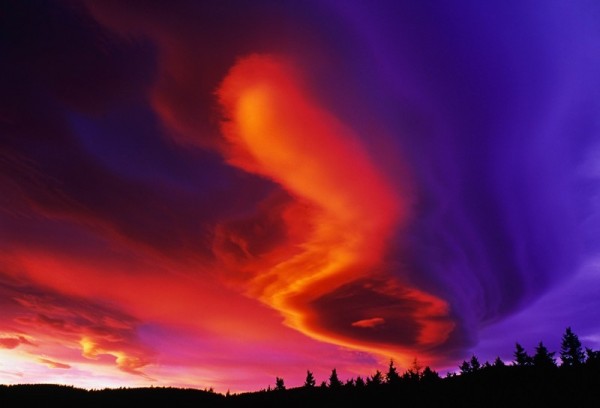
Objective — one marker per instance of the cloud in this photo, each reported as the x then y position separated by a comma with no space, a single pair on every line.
369,323
53,364
49,317
11,342
12,373
129,363
276,130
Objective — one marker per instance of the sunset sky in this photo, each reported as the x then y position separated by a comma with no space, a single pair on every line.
216,193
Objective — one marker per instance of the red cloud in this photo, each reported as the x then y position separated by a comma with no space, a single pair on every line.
12,342
372,322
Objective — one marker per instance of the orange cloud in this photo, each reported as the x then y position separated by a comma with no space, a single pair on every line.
277,130
91,349
53,364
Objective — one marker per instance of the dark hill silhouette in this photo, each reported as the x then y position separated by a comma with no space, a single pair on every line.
530,381
62,396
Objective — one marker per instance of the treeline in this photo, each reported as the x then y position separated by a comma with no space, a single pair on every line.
535,379
572,355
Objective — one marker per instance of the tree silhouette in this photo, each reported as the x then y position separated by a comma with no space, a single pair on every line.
414,372
593,358
376,379
392,376
429,375
310,379
571,352
279,384
543,358
465,367
334,381
475,365
498,362
359,383
522,359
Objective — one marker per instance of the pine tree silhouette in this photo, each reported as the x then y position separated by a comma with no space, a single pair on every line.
522,359
465,367
414,372
279,384
498,362
429,375
571,352
334,381
310,379
592,358
543,358
392,376
475,365
375,380
359,383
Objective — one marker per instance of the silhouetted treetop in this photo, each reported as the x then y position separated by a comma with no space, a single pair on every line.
465,367
279,384
376,379
310,379
522,359
414,372
543,358
334,381
359,383
498,362
475,365
571,351
429,375
392,376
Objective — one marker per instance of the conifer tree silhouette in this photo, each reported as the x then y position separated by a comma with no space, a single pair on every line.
571,352
475,364
392,376
543,358
429,375
279,384
592,358
414,372
375,380
522,359
359,383
465,367
334,381
310,379
498,362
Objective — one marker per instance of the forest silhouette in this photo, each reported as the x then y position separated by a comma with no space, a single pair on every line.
536,379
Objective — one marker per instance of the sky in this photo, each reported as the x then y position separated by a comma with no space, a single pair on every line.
216,193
